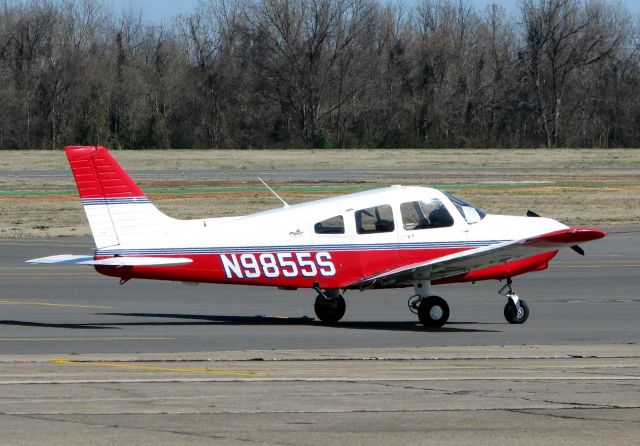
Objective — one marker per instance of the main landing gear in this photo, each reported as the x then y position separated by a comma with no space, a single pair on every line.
330,305
432,311
516,310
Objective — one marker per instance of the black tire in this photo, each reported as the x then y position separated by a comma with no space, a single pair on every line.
433,312
330,311
514,317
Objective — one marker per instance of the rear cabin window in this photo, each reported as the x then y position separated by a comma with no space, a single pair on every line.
425,215
333,225
374,220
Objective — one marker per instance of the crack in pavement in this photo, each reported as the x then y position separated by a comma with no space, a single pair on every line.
538,412
424,389
138,429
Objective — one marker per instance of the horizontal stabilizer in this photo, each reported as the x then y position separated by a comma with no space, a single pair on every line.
69,259
142,261
62,259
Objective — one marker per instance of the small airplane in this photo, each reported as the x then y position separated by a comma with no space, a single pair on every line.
392,237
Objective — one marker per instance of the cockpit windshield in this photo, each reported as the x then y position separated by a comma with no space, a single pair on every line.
460,204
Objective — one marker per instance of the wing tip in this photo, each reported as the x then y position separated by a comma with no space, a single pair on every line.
589,234
569,236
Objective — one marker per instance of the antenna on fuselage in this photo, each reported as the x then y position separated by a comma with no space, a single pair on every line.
274,193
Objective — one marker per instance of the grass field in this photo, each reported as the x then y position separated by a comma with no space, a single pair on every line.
578,187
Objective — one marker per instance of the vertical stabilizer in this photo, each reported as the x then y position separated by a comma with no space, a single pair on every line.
117,209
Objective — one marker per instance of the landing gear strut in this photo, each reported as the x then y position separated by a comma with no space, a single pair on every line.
516,311
330,305
432,311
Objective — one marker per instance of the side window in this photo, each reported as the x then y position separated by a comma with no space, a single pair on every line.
333,225
425,215
375,219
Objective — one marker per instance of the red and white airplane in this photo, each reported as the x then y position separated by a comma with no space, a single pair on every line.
391,237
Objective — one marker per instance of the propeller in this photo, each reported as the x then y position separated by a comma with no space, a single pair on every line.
576,248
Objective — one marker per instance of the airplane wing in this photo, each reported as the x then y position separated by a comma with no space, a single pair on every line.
70,259
486,256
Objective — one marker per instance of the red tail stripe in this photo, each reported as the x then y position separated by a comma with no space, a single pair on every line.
98,174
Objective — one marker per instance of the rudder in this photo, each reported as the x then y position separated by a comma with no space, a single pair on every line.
117,209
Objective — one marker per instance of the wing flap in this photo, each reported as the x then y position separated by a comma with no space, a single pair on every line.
70,259
486,256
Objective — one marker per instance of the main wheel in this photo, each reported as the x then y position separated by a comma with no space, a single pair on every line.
433,312
330,310
514,316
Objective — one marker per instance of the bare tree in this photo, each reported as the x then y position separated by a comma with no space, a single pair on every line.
208,36
347,73
562,37
445,39
303,51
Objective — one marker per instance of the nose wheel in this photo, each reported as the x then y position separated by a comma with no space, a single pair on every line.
516,310
515,315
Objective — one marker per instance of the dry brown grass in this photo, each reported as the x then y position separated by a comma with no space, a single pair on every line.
413,159
579,187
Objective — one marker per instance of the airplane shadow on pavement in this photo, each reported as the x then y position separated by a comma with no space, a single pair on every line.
174,319
88,326
298,321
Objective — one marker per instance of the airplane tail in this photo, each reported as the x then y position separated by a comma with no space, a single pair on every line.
118,211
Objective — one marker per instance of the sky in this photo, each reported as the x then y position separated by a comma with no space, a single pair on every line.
154,10
158,10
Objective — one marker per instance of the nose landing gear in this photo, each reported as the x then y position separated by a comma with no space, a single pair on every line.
516,310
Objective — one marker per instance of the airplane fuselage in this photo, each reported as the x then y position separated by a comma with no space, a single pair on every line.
286,248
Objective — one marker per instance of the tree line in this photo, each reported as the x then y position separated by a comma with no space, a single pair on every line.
320,73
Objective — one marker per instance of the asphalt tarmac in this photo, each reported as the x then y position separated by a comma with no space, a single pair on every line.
440,395
84,360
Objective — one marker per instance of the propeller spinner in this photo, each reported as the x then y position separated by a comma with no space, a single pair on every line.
576,248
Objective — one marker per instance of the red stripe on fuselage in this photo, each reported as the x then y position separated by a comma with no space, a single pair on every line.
350,267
